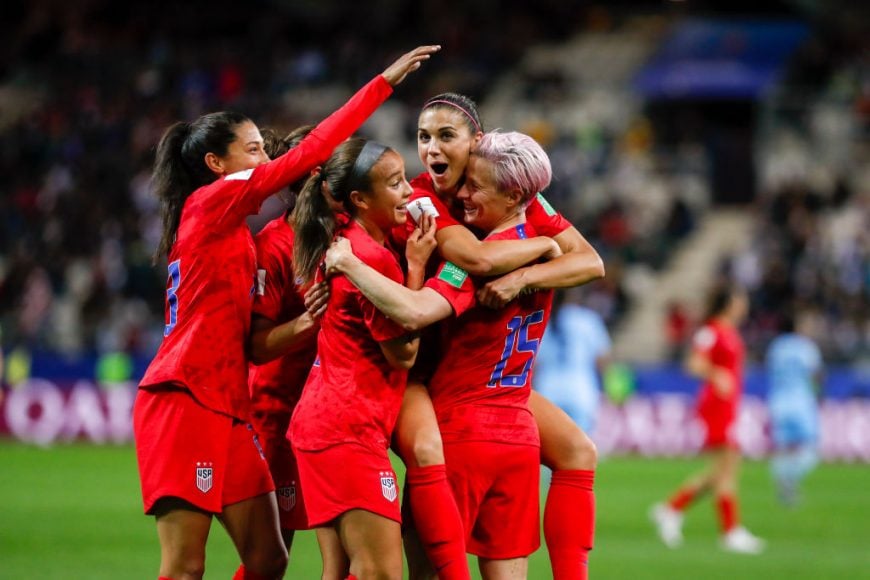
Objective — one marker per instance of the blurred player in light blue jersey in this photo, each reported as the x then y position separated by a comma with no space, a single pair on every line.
571,359
794,370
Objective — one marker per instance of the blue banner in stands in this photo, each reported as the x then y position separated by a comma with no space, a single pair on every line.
720,59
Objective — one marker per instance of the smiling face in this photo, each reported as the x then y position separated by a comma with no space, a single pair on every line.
245,152
444,143
386,205
484,205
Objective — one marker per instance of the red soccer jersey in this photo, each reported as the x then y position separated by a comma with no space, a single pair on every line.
355,398
722,345
210,286
275,387
481,387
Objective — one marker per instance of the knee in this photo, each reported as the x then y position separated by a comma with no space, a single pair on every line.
428,449
576,452
591,454
586,453
189,568
371,570
271,564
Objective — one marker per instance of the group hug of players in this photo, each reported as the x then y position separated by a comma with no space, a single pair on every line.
377,313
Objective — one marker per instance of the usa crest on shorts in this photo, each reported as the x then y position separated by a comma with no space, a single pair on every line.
388,485
287,496
204,473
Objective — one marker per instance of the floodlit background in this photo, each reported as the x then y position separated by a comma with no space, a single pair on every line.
692,141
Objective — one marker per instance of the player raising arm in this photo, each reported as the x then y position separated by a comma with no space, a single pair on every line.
197,453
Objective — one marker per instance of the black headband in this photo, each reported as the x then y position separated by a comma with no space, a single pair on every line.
371,152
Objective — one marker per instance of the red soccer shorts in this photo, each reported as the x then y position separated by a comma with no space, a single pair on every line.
190,452
718,418
346,477
496,489
285,474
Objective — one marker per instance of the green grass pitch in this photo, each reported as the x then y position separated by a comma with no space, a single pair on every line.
73,512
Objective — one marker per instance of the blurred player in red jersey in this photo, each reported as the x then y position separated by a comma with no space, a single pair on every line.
481,385
349,406
283,345
717,358
197,453
448,128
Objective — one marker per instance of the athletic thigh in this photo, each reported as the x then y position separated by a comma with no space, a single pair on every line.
564,445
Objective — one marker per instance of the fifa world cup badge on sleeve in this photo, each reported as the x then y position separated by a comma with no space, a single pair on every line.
418,207
388,485
204,472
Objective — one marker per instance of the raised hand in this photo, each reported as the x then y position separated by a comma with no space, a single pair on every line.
409,62
421,243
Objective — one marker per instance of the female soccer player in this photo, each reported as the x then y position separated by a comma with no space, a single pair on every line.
197,453
716,358
448,128
794,375
481,386
340,430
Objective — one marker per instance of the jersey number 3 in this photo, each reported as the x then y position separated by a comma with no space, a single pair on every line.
172,282
517,344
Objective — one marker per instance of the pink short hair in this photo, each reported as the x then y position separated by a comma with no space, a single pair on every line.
518,162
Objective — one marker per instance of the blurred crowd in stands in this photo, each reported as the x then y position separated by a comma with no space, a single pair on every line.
93,84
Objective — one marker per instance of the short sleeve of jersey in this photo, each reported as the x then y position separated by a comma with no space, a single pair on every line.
545,219
704,340
455,285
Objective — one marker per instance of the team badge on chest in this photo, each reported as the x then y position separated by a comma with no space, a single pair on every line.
287,496
204,476
388,485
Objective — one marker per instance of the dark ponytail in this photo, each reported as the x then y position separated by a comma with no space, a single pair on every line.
313,217
180,169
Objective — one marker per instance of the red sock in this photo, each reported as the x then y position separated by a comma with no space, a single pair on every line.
244,574
682,499
569,523
164,578
726,505
438,522
350,577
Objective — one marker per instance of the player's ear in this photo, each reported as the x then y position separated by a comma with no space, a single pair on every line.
514,197
358,199
214,163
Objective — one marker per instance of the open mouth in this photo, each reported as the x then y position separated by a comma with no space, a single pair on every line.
439,168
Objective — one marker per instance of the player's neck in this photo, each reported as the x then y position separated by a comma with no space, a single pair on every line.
508,222
376,233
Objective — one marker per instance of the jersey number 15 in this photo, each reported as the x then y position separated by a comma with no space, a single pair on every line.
517,344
